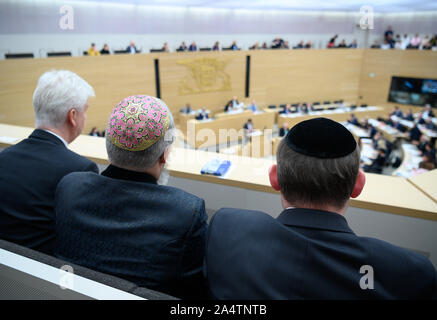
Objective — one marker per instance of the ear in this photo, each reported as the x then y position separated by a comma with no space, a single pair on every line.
273,176
71,117
164,156
359,184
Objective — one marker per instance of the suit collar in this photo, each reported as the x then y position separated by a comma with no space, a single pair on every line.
124,174
314,219
40,134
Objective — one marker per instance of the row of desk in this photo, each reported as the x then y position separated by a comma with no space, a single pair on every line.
226,128
388,208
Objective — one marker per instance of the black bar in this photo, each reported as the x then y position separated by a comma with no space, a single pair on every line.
158,87
247,75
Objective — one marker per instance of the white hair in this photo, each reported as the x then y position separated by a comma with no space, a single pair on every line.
57,92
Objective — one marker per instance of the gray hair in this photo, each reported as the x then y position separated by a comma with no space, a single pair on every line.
57,92
144,159
318,182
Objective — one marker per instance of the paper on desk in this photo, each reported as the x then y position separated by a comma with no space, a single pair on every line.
8,140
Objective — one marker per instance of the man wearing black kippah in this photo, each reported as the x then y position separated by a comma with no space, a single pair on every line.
309,251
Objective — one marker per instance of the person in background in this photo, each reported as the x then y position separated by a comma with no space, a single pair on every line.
421,144
379,142
216,46
105,49
255,46
425,43
248,127
126,222
287,109
398,42
235,103
309,251
286,45
427,162
420,119
409,115
31,169
415,42
353,120
132,49
353,44
397,112
193,47
183,47
165,47
388,34
253,106
342,44
234,45
433,41
203,115
93,51
228,106
300,45
430,125
187,109
277,43
386,45
415,133
94,132
427,112
377,164
405,42
375,45
284,130
264,46
331,43
308,45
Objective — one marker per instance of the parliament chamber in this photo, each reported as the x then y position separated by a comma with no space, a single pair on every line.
276,90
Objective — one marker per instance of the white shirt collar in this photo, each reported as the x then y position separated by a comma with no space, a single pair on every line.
59,137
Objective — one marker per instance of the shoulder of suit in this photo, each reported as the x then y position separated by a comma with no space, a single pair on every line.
227,216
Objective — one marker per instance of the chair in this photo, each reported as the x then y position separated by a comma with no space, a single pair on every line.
364,106
205,49
316,103
18,284
327,102
59,54
18,55
272,106
156,50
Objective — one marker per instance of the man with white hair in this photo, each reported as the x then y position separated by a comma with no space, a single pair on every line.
31,169
124,222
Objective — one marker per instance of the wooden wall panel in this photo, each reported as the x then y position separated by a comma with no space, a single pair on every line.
380,65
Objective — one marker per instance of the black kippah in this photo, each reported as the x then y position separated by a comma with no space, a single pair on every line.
321,138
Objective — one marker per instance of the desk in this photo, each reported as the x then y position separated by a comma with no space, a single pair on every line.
338,115
410,161
389,208
427,183
225,128
390,133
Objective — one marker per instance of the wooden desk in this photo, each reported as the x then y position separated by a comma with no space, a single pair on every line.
225,128
382,193
427,183
336,115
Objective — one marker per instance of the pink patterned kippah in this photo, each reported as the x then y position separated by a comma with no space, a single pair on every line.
137,122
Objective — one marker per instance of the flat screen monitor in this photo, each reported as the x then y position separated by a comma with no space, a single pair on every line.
414,91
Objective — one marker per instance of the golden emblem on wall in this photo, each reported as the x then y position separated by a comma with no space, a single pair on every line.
204,75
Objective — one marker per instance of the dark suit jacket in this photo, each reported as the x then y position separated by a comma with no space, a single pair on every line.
307,254
29,174
123,223
282,132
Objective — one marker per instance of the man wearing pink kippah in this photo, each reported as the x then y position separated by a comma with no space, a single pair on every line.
124,222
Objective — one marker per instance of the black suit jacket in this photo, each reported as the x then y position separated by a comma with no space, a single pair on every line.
123,223
307,254
29,174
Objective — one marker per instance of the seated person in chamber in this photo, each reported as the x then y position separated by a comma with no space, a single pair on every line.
183,47
415,133
427,162
31,169
309,251
92,51
187,109
353,120
229,107
253,106
126,222
234,45
420,119
94,132
234,104
216,46
284,130
427,112
193,47
409,115
429,124
248,126
287,109
105,49
377,164
397,112
132,49
165,47
203,115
